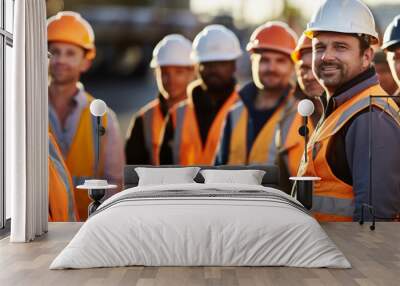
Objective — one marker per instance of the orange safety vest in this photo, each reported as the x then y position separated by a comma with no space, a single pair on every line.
81,157
153,124
188,148
61,190
264,149
333,199
289,142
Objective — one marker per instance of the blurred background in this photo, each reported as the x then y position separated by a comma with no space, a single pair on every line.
126,32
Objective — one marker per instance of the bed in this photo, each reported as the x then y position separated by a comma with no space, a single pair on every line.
198,224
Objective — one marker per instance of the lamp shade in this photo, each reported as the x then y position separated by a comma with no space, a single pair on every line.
98,107
305,107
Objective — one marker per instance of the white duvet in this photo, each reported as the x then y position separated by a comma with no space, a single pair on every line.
202,231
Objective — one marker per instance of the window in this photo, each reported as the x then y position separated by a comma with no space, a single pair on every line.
6,43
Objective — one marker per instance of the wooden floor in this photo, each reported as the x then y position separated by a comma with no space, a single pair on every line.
375,257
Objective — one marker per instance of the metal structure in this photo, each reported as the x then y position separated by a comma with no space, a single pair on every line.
369,206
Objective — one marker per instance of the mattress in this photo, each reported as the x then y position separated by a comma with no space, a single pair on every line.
201,225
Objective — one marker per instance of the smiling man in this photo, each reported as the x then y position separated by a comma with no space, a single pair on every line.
174,70
251,126
338,150
194,127
71,44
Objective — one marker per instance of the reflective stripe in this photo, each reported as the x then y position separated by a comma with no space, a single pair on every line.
284,130
386,106
360,105
180,116
272,150
281,131
334,206
235,114
54,157
148,134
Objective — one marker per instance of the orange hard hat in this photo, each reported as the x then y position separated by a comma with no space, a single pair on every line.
304,43
70,27
273,35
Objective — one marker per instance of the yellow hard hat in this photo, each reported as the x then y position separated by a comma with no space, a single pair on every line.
70,27
304,43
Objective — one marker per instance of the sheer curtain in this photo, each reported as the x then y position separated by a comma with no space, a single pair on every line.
26,124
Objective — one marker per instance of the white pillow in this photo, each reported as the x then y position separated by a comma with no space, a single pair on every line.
247,177
166,176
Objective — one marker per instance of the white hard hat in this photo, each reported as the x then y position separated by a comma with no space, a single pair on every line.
215,43
172,50
343,16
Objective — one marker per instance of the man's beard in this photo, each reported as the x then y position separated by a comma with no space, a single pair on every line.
331,81
278,85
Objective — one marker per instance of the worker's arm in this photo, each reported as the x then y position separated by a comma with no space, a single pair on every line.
385,162
114,152
135,148
166,155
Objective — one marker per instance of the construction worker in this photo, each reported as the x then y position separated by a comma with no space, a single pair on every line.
174,70
71,44
339,148
391,45
62,205
384,73
193,130
290,153
251,126
309,85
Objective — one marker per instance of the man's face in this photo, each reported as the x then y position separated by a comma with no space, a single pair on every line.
271,70
385,77
172,81
305,77
393,59
217,76
337,59
67,63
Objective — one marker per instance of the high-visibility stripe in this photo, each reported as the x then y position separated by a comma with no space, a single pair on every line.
272,149
62,173
180,116
332,205
282,136
236,112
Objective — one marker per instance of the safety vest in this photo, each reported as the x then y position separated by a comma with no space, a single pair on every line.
153,124
333,199
61,190
289,142
81,157
188,148
264,149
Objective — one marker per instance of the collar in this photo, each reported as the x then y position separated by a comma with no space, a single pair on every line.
80,98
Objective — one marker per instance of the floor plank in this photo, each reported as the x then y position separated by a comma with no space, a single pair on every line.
375,257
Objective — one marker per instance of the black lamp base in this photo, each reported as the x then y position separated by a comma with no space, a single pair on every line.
305,193
95,195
